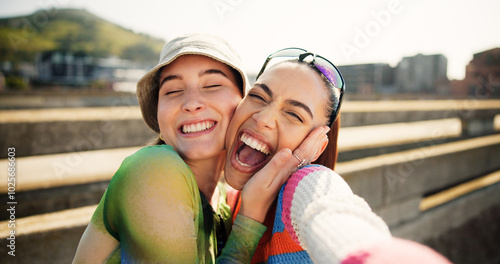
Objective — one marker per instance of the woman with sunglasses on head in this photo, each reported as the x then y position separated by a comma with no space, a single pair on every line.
165,203
315,217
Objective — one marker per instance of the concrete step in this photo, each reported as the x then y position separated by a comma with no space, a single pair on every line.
53,237
394,184
48,183
47,238
62,130
51,131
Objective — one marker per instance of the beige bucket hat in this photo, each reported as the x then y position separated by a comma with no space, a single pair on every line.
197,44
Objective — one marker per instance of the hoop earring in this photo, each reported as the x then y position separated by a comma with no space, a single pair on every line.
162,138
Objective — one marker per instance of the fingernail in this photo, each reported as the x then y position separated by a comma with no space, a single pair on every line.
327,129
285,154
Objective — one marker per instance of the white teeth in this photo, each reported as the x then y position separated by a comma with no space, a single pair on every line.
198,127
241,163
254,143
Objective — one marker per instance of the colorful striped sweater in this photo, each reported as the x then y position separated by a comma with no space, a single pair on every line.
319,220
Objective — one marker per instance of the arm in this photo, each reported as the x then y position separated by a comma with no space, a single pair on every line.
335,226
242,241
96,244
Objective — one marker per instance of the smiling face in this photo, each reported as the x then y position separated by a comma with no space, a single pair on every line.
286,103
197,98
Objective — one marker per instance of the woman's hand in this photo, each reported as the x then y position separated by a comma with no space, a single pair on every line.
261,190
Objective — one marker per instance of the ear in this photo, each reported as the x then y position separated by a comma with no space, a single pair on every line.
320,151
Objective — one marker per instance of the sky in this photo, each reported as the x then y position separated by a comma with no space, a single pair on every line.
344,31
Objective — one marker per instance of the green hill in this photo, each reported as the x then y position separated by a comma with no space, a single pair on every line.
21,38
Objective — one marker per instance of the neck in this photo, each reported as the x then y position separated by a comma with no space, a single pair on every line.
207,173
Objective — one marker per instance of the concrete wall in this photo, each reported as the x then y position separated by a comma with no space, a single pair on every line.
464,229
44,134
394,183
39,138
473,216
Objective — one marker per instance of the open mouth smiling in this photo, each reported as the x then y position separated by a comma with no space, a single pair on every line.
251,152
197,127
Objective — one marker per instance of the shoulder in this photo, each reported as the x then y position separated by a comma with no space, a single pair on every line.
154,156
154,160
154,176
153,167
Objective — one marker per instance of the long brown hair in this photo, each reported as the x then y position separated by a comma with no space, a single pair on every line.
329,157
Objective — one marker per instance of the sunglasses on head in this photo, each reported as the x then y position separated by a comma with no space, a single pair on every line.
324,66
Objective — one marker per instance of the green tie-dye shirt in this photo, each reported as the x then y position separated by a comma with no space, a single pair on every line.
153,208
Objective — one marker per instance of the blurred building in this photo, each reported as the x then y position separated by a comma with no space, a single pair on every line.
482,76
422,74
368,78
79,69
119,74
64,68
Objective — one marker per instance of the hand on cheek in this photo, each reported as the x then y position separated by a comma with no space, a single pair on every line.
260,191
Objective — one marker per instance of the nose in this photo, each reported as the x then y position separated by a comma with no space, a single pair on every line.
193,102
265,118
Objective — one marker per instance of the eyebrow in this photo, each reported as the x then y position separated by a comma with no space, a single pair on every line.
301,105
265,88
169,78
205,72
212,71
289,101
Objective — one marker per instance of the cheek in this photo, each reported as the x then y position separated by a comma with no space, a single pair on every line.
291,138
228,103
165,115
239,117
231,130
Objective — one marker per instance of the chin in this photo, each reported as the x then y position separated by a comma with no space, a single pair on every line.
202,154
236,179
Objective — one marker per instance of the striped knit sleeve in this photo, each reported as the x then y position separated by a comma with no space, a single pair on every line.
336,226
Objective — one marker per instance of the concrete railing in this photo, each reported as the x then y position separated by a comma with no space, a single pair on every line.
395,185
50,131
432,194
477,116
61,130
399,186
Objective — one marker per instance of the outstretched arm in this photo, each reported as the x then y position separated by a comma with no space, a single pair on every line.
335,226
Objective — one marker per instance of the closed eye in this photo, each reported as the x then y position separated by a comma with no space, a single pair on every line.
294,115
174,92
257,97
212,86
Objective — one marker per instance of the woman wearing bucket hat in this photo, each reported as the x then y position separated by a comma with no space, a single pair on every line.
165,203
